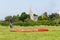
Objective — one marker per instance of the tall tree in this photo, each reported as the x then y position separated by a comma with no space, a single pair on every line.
8,18
23,16
15,18
54,16
45,16
39,17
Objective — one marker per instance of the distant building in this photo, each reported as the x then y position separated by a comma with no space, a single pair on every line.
32,17
31,14
35,18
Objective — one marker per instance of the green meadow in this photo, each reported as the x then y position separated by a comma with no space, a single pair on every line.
52,34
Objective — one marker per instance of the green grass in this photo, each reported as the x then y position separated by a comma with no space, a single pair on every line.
52,34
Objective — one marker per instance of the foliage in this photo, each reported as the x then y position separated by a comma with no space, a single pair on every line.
3,23
24,19
45,16
7,18
23,16
15,18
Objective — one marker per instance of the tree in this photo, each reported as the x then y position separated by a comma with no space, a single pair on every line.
23,16
44,16
54,16
8,18
15,18
40,18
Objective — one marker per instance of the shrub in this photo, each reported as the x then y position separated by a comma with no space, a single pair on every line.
4,23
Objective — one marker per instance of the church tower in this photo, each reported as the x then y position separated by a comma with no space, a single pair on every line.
31,14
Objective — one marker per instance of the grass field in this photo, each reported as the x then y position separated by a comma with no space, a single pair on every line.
52,34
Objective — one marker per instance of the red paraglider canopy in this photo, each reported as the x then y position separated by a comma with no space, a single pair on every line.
39,30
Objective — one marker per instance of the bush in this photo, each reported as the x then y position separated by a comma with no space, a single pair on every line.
4,23
29,22
18,23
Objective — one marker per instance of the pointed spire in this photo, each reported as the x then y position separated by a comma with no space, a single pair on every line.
31,14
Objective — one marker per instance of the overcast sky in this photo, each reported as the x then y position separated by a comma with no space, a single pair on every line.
13,7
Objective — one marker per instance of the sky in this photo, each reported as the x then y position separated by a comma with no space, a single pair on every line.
14,7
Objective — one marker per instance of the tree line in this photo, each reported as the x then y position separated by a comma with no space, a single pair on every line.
24,19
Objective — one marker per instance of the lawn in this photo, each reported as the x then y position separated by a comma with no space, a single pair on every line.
52,34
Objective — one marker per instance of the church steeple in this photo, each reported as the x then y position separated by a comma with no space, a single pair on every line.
31,14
